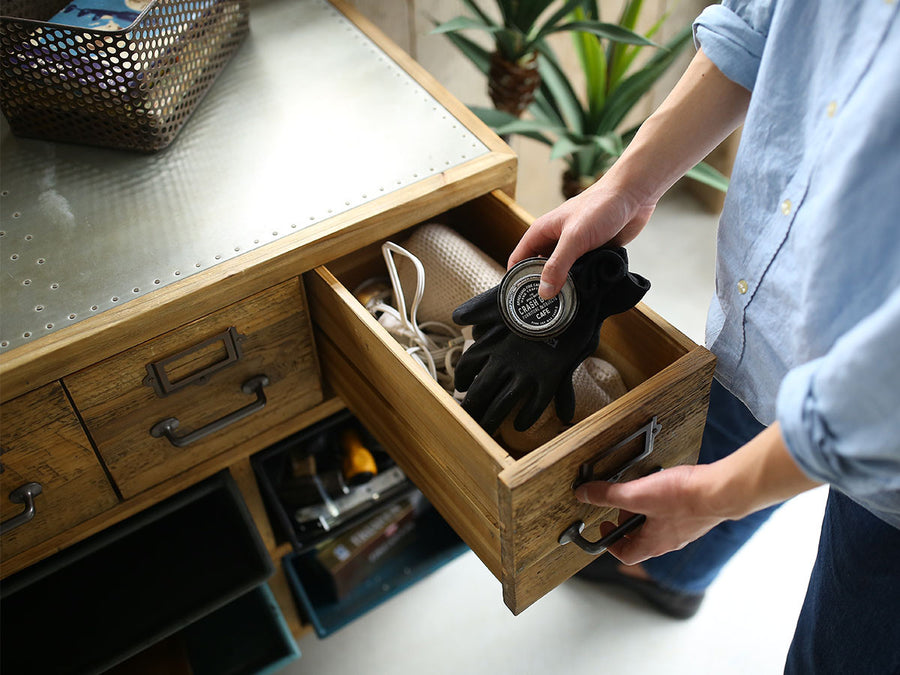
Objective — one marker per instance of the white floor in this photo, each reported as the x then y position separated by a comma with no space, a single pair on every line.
455,621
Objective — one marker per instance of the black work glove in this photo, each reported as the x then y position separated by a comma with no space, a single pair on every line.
502,368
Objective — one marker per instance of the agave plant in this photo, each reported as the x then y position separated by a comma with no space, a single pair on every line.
519,35
586,130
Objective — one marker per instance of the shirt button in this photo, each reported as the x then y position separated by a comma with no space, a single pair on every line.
786,206
742,286
831,110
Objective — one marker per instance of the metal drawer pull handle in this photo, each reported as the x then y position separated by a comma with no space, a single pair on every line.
24,494
573,535
586,471
168,426
158,376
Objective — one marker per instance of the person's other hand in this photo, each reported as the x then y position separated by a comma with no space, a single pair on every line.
674,502
600,215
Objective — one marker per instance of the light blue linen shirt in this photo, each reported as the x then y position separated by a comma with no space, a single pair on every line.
806,317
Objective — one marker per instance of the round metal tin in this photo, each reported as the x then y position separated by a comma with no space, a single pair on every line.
525,312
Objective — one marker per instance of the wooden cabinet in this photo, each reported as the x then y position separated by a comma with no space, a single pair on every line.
168,404
221,359
44,447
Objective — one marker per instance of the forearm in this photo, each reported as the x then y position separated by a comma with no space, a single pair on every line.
701,111
757,475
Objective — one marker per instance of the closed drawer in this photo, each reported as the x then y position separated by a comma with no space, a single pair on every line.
510,511
44,447
166,405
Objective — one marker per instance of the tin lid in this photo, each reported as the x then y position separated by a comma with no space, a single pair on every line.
524,311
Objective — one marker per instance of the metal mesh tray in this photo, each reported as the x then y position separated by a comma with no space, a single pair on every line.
132,88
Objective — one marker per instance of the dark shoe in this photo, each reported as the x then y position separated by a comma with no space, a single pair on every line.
677,604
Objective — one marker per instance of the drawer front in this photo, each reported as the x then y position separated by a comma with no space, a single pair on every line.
44,445
162,407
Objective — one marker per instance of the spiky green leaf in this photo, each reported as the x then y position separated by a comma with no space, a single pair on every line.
557,87
622,99
708,175
464,23
610,31
471,50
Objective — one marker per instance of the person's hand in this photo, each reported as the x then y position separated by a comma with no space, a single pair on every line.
685,502
674,501
602,214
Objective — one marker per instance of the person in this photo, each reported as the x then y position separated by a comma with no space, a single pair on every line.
805,320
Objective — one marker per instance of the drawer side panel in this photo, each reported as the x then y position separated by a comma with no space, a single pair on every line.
418,451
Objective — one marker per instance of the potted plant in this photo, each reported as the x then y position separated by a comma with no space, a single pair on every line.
586,130
519,35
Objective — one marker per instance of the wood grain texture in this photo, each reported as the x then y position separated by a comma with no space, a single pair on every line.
423,452
174,485
119,408
42,441
537,497
469,456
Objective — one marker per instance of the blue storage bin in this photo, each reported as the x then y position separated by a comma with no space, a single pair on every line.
432,544
248,636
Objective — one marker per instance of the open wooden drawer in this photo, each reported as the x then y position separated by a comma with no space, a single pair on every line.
510,511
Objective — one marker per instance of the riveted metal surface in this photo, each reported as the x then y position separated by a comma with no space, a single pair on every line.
309,120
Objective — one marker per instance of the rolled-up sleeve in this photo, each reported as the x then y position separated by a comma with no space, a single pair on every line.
733,36
839,413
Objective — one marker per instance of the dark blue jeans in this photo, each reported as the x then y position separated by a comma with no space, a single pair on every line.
850,620
729,425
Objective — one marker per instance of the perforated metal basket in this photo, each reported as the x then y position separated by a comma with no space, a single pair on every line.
131,89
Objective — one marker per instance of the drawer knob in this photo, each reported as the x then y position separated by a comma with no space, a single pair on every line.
167,427
24,494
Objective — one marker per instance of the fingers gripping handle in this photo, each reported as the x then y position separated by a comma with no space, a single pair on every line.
572,534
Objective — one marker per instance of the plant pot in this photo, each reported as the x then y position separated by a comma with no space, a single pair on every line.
573,184
511,85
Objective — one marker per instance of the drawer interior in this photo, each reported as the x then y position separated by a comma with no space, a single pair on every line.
629,341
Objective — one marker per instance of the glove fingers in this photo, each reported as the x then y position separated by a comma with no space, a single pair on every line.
469,365
565,399
627,293
484,390
532,410
480,309
503,403
487,334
